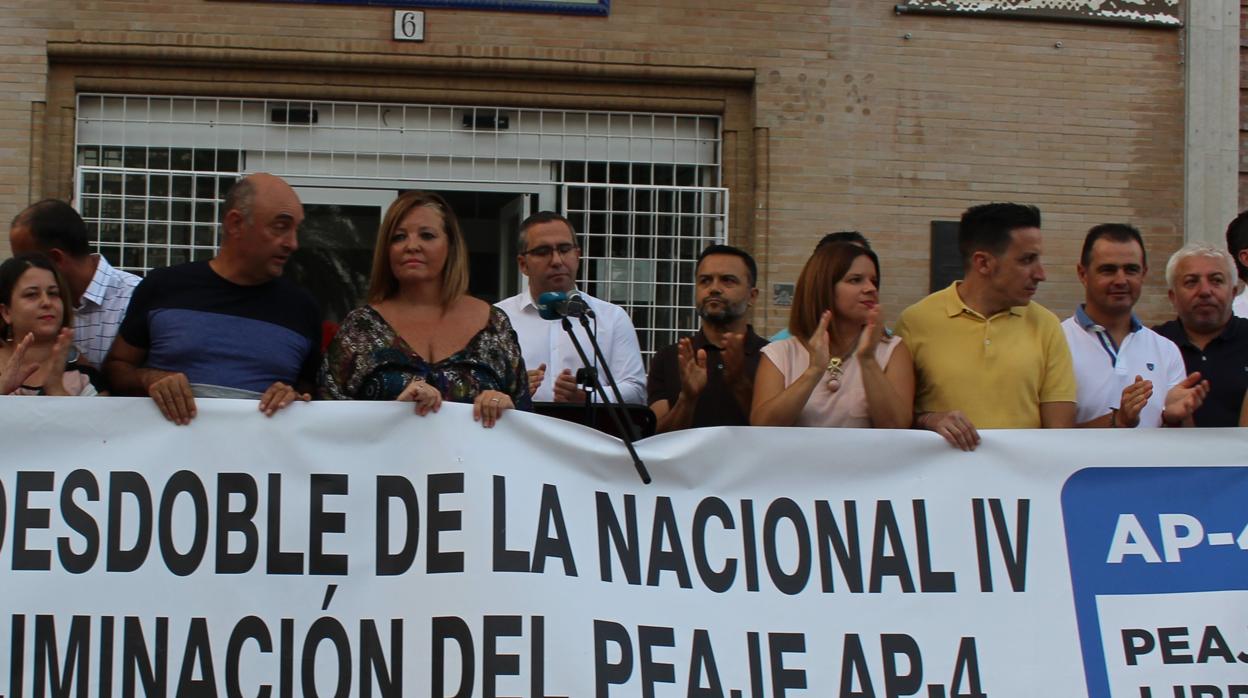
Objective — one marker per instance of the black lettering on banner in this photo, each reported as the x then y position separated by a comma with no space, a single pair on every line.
537,658
373,660
847,548
854,670
79,522
672,556
606,673
248,628
1015,556
652,672
198,651
151,667
610,532
1212,644
454,629
494,664
26,518
893,646
558,545
183,482
966,670
886,564
783,679
241,522
321,522
286,657
720,580
277,561
17,655
106,657
780,509
929,580
505,560
440,520
1173,641
326,628
702,664
120,484
1135,643
48,667
755,650
398,488
4,514
750,547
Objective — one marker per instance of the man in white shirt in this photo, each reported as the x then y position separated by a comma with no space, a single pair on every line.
549,257
1128,375
1237,245
100,292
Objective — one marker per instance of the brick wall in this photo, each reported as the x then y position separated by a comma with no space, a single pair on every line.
870,121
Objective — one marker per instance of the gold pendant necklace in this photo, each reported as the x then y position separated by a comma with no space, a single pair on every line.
836,367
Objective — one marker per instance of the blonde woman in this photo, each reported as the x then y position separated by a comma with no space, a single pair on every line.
422,338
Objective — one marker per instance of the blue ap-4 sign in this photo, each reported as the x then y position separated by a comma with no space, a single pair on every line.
1158,556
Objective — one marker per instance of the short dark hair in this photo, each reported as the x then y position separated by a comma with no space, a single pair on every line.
1114,232
539,218
1237,241
988,227
55,224
750,265
851,236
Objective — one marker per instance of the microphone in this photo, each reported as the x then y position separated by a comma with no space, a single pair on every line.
554,305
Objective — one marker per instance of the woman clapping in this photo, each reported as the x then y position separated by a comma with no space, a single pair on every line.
36,354
844,371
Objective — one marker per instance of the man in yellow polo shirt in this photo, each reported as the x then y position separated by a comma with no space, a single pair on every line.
985,355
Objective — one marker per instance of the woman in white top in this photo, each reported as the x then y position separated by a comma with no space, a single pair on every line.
36,331
840,368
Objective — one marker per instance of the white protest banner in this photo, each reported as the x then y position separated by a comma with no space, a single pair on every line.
354,549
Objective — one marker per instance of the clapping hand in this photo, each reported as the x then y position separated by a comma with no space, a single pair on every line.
54,381
536,376
14,373
1134,398
1184,399
692,365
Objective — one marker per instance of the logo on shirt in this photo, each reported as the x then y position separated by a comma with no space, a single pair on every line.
1150,365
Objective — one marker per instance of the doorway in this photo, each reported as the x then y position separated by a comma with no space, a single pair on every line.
339,232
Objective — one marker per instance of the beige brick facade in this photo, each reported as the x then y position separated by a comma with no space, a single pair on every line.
837,115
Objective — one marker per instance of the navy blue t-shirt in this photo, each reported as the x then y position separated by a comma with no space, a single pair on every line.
193,321
1223,362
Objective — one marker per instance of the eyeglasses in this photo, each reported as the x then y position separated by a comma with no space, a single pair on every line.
543,252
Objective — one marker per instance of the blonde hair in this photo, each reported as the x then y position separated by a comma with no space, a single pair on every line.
383,284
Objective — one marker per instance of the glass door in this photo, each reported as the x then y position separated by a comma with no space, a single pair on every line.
336,240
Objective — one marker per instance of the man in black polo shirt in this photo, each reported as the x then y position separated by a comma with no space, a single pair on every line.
707,379
1213,342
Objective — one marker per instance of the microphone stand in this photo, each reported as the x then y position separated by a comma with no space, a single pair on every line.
615,409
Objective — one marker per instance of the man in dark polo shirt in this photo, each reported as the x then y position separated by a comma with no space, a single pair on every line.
1212,341
707,379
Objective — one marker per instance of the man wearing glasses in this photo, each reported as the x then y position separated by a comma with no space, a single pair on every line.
549,257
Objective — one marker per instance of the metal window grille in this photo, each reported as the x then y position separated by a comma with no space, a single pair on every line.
642,189
640,246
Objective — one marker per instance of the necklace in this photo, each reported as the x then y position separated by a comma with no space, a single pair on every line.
836,367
